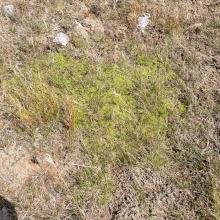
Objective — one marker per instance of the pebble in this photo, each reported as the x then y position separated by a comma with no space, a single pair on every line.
8,10
143,22
61,39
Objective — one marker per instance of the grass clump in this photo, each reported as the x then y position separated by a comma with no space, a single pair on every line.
122,110
34,100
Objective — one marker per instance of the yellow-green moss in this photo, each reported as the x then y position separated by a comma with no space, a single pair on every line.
122,110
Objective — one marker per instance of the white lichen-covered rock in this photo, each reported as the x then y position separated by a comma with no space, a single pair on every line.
8,10
143,22
61,39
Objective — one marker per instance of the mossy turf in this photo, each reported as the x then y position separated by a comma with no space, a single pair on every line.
122,110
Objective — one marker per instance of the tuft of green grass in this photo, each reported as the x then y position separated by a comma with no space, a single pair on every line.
122,110
93,184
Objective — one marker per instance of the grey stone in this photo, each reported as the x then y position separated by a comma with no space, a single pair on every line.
8,10
61,39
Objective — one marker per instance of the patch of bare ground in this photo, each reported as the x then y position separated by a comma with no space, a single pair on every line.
39,168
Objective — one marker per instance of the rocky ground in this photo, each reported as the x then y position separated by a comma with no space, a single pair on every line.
40,168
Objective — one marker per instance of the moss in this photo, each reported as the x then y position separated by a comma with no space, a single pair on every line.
122,110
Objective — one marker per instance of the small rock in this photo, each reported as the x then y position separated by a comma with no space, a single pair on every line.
49,159
61,39
8,10
143,21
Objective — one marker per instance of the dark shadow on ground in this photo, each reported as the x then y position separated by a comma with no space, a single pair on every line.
7,210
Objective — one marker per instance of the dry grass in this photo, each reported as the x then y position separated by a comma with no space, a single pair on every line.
117,125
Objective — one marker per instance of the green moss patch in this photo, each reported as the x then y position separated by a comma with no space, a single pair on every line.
122,110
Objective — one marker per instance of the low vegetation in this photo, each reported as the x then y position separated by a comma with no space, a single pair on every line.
122,110
118,123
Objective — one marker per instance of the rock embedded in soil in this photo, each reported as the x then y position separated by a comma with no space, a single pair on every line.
61,39
143,22
8,10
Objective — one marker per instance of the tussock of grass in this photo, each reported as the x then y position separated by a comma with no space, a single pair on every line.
122,110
